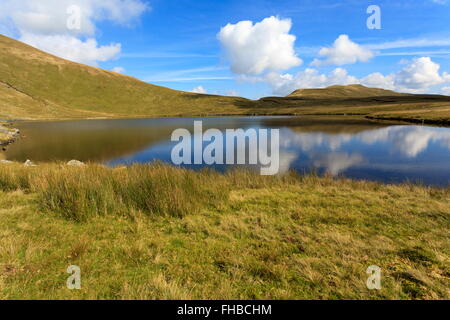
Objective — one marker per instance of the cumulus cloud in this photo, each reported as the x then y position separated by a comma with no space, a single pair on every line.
118,69
416,77
45,24
72,48
378,80
419,75
253,49
446,91
283,84
199,89
344,51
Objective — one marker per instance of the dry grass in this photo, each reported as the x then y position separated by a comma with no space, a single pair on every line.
292,237
79,193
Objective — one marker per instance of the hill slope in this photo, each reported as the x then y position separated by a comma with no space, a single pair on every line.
35,84
350,91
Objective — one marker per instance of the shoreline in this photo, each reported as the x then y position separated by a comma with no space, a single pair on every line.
8,135
443,123
440,122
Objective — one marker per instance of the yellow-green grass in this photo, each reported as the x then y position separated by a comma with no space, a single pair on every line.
3,137
37,85
437,114
233,236
339,92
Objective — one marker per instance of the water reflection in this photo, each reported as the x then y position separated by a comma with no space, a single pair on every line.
355,148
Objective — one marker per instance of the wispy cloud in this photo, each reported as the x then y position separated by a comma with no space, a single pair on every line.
439,53
193,74
189,79
409,43
165,55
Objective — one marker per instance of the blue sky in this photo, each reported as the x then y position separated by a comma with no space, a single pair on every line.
175,43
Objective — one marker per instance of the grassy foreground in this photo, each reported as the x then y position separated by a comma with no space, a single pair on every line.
157,232
35,85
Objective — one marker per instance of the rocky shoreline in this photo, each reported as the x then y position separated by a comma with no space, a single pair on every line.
7,135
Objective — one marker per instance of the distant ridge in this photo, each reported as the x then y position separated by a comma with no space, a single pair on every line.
349,91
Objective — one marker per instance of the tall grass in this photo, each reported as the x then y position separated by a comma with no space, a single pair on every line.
81,193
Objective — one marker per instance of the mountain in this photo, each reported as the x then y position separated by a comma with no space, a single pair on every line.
344,92
38,85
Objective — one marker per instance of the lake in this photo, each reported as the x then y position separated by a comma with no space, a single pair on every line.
350,147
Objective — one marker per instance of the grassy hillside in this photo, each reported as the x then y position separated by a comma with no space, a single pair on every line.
37,85
340,92
211,236
34,84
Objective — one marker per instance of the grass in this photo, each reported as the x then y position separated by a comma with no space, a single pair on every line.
157,232
37,85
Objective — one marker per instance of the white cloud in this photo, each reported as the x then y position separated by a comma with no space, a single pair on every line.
378,80
253,49
231,93
44,24
200,89
409,43
283,84
118,69
446,91
50,16
416,77
72,48
344,51
419,75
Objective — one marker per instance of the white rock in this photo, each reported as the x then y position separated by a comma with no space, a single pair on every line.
5,162
75,163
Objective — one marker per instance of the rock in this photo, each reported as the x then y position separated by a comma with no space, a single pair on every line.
5,162
29,163
75,163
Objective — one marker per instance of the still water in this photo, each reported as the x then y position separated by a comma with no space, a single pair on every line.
350,147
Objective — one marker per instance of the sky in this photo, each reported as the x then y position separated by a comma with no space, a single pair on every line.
249,48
